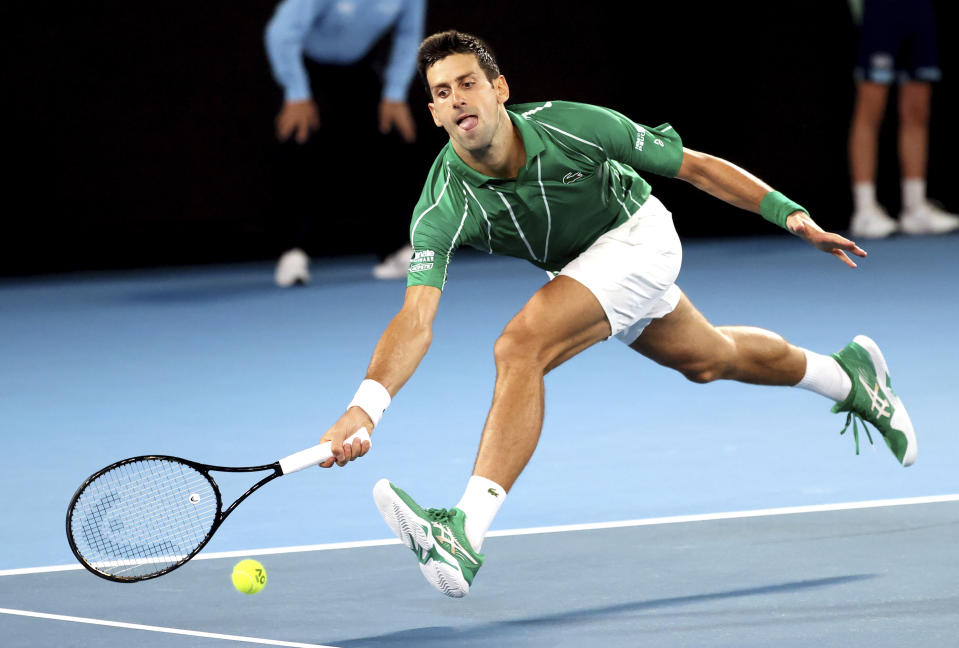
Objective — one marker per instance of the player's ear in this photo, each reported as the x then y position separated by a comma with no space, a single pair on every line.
502,89
436,119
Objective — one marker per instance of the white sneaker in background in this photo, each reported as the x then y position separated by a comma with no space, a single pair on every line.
292,268
395,266
871,223
928,218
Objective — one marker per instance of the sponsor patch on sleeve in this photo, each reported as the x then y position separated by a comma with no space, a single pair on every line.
640,137
422,260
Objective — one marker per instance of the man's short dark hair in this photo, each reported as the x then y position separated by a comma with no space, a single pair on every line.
440,45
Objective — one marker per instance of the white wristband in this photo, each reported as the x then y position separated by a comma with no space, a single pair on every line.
372,398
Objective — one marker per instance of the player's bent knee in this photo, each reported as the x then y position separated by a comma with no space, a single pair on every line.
516,345
701,377
701,372
512,345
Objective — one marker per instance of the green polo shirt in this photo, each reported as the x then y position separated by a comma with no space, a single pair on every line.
580,180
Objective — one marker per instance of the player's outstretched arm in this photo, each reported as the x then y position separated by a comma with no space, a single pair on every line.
397,354
731,184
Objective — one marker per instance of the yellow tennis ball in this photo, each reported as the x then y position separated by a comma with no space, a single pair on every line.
249,576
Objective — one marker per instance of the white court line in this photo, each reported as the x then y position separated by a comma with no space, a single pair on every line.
178,631
675,519
227,554
733,515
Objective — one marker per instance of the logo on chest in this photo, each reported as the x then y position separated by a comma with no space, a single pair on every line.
572,177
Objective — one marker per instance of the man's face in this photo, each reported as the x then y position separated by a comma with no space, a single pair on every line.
465,102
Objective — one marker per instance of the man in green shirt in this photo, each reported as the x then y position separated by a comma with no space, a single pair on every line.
559,184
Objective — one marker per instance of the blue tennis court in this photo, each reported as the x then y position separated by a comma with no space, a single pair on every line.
655,511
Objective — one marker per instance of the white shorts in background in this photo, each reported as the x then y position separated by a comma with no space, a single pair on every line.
632,270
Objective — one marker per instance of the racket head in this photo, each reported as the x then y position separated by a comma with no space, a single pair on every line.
143,517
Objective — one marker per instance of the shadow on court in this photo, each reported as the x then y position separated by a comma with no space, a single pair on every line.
513,632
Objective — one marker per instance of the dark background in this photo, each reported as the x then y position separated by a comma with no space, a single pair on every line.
141,134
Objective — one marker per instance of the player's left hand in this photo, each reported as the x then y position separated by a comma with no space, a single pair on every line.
396,114
800,224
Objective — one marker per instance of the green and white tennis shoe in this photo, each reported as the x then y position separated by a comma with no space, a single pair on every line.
872,399
436,536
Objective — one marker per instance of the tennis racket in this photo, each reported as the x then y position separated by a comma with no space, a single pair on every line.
143,517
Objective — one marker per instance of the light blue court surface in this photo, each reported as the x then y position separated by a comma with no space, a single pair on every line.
216,364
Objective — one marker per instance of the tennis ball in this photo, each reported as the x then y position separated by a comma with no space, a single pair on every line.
249,576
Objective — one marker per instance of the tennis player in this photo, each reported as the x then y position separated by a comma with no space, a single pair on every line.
559,184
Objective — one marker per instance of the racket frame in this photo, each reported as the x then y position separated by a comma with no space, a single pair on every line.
203,469
297,461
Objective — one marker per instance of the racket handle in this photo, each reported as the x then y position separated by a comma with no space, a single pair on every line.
316,455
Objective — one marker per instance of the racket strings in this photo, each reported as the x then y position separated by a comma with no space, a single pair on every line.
143,517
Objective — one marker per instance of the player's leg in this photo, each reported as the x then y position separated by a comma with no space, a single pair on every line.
685,341
561,319
856,377
623,280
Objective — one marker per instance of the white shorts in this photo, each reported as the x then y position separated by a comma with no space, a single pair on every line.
632,270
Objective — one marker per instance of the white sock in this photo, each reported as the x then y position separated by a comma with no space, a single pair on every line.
480,503
825,377
913,192
863,195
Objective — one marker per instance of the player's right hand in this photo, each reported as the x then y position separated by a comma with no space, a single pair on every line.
298,119
348,424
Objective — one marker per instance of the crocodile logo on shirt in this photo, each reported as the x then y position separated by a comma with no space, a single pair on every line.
572,177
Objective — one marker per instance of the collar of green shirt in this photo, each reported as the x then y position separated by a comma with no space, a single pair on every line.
532,142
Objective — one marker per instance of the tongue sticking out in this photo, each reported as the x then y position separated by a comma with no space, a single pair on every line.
469,123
